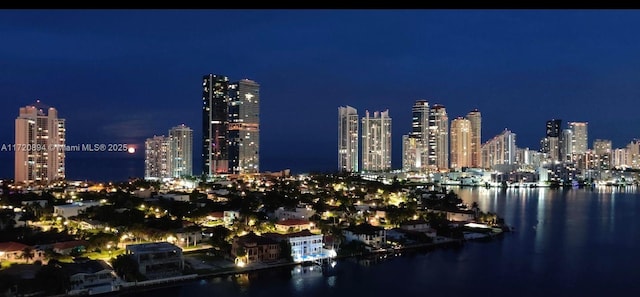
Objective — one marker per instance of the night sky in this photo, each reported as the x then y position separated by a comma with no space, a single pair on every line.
120,76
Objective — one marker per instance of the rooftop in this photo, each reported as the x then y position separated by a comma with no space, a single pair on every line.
252,238
12,246
293,222
152,247
364,229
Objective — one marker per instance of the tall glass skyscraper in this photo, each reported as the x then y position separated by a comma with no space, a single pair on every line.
475,119
460,143
438,138
231,126
347,139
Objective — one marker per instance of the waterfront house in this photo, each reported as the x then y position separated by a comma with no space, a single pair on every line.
252,248
91,277
189,236
157,260
370,235
293,225
305,246
11,251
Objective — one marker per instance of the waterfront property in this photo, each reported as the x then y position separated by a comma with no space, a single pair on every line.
157,260
305,246
372,236
91,277
252,248
73,209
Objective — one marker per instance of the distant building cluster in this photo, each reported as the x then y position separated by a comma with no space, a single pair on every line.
169,156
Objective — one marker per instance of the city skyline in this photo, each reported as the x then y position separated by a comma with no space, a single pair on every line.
514,86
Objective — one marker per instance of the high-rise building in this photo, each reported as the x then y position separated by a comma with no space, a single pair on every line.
243,132
39,145
461,143
411,154
554,127
603,148
633,154
566,145
231,125
215,110
550,145
376,141
438,141
181,151
157,159
347,139
475,118
500,150
580,136
619,157
420,131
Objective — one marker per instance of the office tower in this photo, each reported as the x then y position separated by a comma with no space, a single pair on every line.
376,141
475,118
528,158
420,120
215,109
347,139
553,128
633,154
580,136
181,151
411,154
243,132
438,141
566,145
500,150
157,159
39,145
231,125
461,143
602,149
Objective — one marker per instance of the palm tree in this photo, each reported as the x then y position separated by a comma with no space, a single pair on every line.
28,254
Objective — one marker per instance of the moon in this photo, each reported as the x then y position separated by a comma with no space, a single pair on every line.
131,150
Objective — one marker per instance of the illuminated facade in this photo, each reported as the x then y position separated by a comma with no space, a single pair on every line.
181,151
475,119
500,150
376,141
157,161
619,157
550,145
215,101
580,137
347,139
461,143
39,145
603,148
243,132
411,154
231,125
633,154
566,145
438,140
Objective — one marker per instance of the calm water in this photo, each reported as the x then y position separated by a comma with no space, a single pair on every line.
567,242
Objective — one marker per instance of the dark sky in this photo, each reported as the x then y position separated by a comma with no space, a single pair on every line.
125,75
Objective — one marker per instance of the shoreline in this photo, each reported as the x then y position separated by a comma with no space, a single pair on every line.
168,283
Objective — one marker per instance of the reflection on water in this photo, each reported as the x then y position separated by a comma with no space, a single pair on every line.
566,242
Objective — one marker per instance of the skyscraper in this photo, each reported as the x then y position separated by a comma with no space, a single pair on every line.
243,132
39,145
603,149
215,110
500,150
347,139
411,154
566,145
580,136
181,151
419,134
157,159
376,141
550,145
461,143
475,119
231,125
438,141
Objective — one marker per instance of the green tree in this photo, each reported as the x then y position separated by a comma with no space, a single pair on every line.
27,254
285,250
126,268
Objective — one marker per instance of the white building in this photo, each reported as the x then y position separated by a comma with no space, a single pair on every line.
229,216
500,150
73,209
157,260
39,145
181,151
347,139
376,141
305,246
157,159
